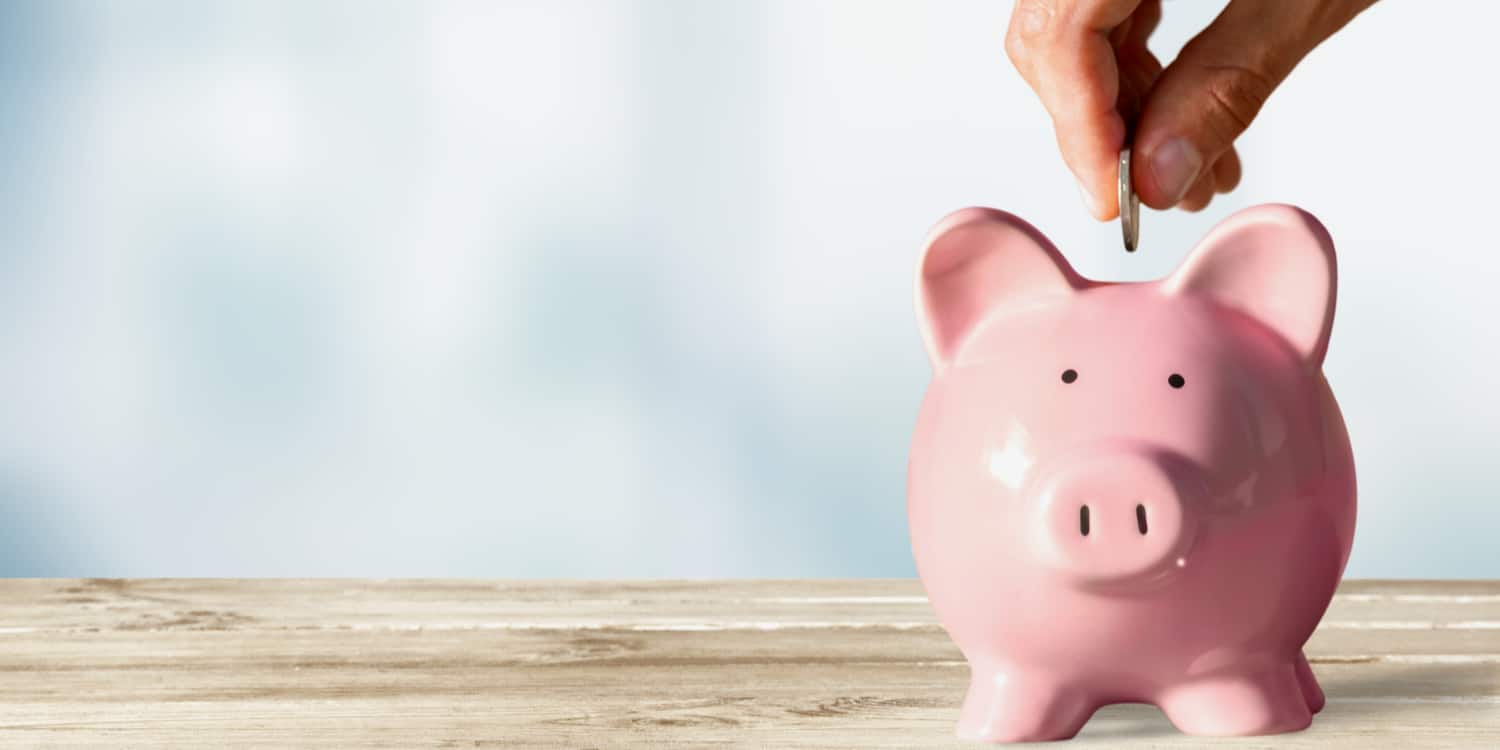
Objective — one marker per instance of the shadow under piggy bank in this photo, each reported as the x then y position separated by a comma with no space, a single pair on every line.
1362,693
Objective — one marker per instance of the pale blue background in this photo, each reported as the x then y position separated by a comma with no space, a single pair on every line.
623,288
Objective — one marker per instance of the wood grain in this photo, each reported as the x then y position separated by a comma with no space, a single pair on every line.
459,663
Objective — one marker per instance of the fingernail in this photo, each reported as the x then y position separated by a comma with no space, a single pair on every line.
1089,201
1174,166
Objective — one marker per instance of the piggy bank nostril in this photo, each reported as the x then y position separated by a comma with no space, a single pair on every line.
1083,520
1140,518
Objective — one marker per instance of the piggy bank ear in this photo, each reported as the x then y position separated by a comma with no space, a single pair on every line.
1274,263
980,262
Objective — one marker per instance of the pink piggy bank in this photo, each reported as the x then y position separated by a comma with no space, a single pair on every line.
1136,492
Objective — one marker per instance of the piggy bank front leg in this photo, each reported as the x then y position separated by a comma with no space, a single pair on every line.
1267,701
1011,704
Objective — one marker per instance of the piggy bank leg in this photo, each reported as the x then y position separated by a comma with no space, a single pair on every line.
1013,705
1268,701
1310,689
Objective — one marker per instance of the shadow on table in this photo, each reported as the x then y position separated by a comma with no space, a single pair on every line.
1128,721
1385,690
1357,694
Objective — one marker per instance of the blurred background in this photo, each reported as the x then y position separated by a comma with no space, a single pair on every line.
614,288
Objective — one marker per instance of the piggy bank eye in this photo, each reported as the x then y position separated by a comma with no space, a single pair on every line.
1069,375
1176,381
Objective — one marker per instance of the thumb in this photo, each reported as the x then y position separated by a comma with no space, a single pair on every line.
1208,96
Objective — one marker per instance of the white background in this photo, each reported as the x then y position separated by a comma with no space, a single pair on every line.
624,288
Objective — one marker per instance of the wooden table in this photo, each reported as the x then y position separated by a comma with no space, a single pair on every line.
777,664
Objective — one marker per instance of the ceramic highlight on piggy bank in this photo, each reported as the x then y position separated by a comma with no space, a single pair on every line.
1136,492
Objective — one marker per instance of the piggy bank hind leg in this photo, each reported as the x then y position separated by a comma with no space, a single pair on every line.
1269,701
1311,691
1014,705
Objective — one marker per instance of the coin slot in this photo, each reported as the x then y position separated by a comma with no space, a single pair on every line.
1083,520
1140,518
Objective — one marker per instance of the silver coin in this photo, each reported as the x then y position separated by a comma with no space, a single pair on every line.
1130,205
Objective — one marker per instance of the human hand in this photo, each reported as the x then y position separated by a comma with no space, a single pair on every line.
1087,60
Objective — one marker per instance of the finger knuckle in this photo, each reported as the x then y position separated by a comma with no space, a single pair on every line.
1015,47
1030,22
1238,92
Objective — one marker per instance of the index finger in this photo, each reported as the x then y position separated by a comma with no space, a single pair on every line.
1062,48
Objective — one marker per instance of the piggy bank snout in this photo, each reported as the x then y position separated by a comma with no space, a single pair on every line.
1115,517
